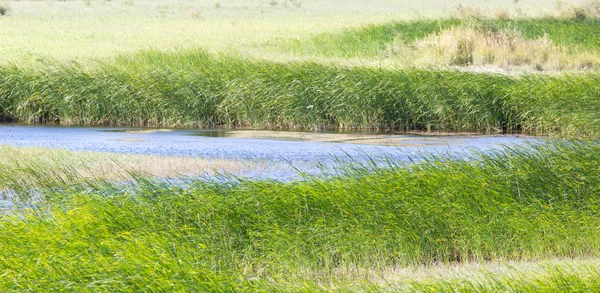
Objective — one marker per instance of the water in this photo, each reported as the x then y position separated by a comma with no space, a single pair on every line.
286,150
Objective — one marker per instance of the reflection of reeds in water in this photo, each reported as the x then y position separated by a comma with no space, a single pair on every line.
351,138
146,131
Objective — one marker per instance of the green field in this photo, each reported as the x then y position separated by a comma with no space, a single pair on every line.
518,219
70,30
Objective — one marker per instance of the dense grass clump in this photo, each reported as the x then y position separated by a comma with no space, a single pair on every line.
374,40
198,89
513,204
368,41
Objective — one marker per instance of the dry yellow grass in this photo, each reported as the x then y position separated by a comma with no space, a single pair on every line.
401,279
508,49
118,166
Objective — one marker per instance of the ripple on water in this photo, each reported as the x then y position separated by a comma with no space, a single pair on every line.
282,147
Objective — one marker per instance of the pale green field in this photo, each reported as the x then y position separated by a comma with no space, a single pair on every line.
39,31
212,9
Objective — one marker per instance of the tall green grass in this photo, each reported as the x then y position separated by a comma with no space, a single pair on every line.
197,89
374,40
368,41
513,204
568,33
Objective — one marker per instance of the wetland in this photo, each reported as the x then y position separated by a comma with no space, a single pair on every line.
299,146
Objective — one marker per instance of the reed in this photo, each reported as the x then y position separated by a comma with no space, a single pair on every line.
197,89
332,234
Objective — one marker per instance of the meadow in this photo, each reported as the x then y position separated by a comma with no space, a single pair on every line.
39,31
514,219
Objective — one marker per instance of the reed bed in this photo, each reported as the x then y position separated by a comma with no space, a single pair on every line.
350,233
197,89
192,88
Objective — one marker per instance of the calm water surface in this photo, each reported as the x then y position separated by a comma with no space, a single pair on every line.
298,149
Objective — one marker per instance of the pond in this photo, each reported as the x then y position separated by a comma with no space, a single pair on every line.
286,150
246,144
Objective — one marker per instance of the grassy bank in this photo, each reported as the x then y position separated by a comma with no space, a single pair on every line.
356,231
518,219
403,75
199,89
375,40
540,44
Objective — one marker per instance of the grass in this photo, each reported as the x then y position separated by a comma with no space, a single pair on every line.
327,235
21,160
470,47
250,8
513,220
349,75
368,41
66,31
361,77
199,89
374,42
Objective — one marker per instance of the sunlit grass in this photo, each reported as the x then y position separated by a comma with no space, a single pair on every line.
507,50
361,230
71,31
21,161
355,72
544,43
197,89
514,220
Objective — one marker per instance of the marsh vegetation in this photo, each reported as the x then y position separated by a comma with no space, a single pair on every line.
359,230
518,218
475,73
